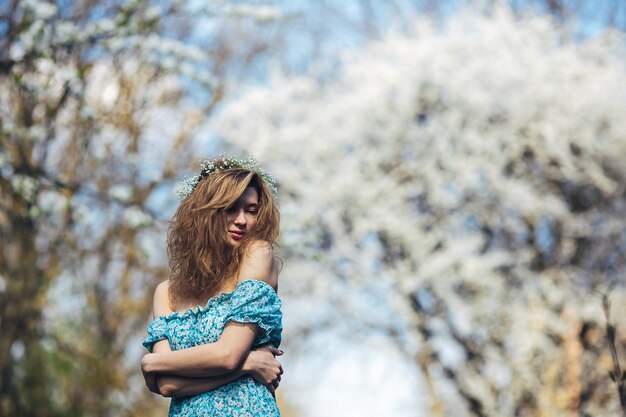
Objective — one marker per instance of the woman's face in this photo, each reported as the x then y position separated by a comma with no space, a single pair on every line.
241,217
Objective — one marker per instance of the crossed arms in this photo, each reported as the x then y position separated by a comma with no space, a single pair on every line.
205,367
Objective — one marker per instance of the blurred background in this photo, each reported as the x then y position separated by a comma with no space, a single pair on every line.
452,188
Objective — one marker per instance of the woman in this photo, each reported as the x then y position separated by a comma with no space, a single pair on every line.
219,359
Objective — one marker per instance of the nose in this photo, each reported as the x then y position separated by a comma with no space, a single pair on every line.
240,219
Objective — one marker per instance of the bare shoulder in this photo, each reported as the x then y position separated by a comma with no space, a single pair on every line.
260,263
164,286
161,301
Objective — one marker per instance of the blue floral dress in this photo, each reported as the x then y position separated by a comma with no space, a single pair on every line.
252,301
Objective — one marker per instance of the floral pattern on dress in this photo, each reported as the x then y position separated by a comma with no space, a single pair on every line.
252,301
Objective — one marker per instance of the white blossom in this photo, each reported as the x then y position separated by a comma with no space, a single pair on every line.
24,185
135,217
454,151
259,13
121,192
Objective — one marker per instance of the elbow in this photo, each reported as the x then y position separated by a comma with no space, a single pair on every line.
147,363
167,387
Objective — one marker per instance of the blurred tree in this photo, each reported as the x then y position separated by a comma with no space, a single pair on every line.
99,102
319,30
99,106
461,191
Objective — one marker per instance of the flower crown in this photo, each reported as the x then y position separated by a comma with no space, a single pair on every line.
221,163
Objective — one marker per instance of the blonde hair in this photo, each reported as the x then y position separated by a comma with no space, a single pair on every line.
201,257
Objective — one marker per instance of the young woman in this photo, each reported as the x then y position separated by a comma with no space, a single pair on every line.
218,360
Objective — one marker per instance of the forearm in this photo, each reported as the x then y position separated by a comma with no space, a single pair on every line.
178,386
198,361
211,359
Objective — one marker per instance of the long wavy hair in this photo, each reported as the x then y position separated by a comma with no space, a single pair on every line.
201,258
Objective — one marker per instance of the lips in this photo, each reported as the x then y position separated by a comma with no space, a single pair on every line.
236,235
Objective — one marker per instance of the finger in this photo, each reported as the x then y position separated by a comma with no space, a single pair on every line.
281,369
275,351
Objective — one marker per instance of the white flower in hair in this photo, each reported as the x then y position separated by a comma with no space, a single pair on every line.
208,167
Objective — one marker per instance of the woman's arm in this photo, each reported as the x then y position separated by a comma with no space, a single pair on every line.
160,307
260,364
180,386
228,353
176,386
170,385
211,359
219,358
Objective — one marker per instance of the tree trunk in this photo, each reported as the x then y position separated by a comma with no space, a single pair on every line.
23,388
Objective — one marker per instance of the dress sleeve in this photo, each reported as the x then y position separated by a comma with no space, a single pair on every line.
157,330
256,302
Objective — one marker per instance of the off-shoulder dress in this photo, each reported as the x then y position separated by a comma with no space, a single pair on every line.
252,301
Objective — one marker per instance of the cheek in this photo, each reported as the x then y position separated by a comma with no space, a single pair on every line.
252,222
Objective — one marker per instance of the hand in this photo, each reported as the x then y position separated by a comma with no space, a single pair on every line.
262,365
